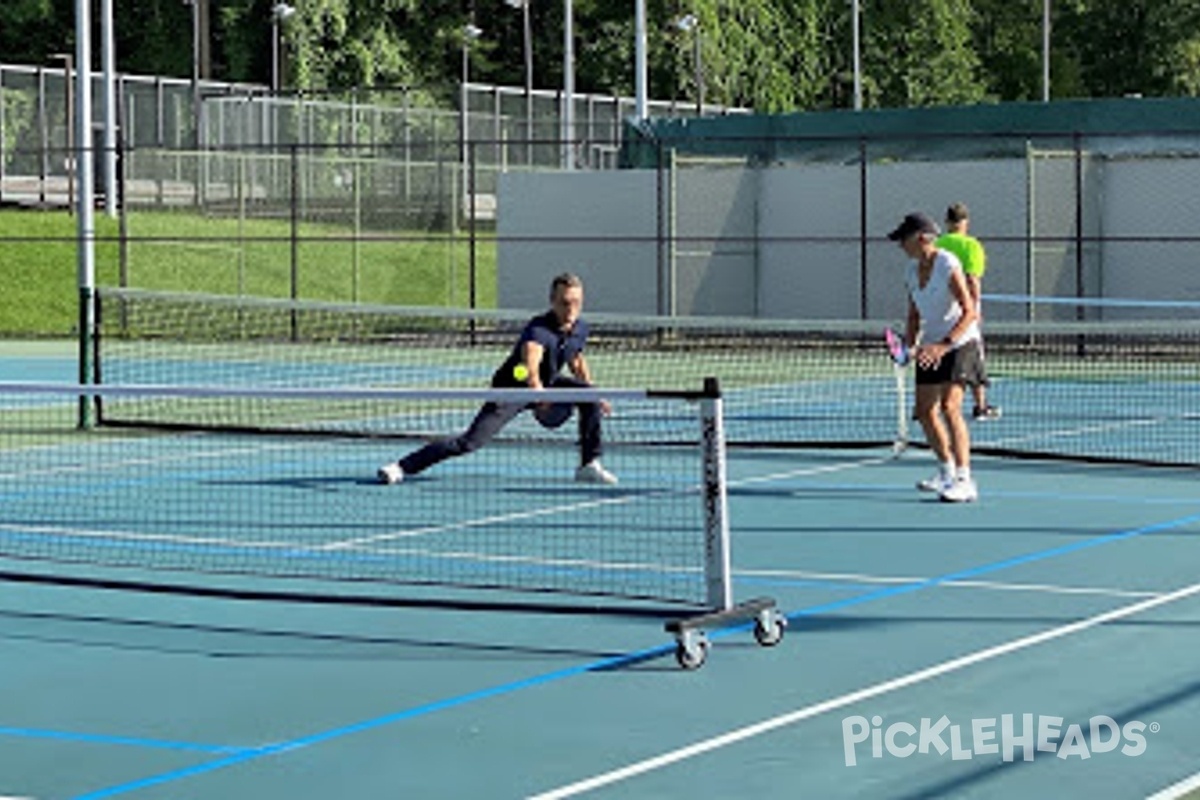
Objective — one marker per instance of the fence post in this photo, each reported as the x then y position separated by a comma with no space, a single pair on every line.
294,152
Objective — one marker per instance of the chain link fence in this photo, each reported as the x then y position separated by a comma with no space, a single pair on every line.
37,129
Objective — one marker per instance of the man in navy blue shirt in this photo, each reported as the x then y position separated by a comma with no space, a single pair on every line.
548,343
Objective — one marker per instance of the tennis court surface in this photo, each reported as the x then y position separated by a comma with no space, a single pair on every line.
496,630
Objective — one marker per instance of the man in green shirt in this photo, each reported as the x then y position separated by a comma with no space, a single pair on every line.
971,254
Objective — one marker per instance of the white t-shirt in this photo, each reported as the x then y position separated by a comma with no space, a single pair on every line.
936,304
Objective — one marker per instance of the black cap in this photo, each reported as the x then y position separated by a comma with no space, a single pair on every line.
915,222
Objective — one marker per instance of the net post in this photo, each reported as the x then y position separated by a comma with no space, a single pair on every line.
85,237
87,317
718,583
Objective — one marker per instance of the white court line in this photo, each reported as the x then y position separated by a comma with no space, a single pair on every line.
965,584
806,471
621,500
1086,430
510,517
289,546
363,544
877,690
146,461
1177,790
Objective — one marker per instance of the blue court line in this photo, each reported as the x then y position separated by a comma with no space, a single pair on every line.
399,716
132,741
973,572
627,659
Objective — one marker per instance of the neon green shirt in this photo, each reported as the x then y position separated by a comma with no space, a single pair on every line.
969,251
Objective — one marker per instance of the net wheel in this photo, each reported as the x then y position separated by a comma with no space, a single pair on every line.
768,632
692,655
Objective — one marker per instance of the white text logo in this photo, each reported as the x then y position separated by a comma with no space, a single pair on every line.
1005,736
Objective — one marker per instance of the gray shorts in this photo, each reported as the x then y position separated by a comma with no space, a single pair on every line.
964,365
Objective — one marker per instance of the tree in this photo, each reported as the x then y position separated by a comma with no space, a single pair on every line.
26,32
768,55
773,55
1133,46
1008,38
921,53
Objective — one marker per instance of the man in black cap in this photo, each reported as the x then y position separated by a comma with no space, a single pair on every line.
942,317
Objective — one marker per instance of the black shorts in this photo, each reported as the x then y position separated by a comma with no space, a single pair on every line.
963,365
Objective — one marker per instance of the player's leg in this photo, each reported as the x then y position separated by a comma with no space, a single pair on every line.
927,412
956,426
591,445
487,423
966,370
982,411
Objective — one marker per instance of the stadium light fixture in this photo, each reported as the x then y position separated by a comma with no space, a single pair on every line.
470,33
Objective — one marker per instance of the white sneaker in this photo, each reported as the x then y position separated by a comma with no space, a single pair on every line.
593,472
938,482
390,473
960,491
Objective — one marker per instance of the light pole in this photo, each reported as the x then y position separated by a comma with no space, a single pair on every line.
527,38
195,6
1045,51
470,33
568,111
690,24
641,79
280,13
856,34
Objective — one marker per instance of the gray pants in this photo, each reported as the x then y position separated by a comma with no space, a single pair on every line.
494,416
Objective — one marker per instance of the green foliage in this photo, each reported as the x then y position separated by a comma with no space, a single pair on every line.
1186,57
1133,46
1008,39
17,112
764,55
773,55
919,53
24,33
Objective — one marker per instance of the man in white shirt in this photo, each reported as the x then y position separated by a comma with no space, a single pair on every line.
942,333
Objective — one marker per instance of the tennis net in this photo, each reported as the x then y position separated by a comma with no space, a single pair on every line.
1093,380
509,517
805,383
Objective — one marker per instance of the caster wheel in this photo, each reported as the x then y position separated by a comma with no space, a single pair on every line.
769,632
691,656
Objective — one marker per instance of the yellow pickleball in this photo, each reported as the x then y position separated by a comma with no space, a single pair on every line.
521,372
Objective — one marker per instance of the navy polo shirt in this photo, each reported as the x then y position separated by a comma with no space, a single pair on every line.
559,348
